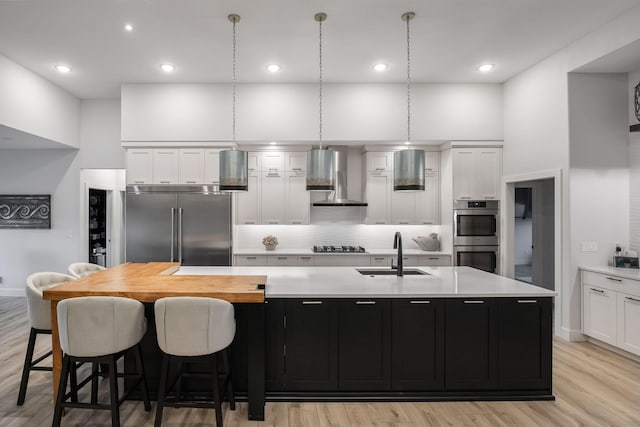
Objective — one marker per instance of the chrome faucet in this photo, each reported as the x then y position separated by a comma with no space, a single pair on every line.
397,244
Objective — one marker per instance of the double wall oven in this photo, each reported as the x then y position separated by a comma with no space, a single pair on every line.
476,234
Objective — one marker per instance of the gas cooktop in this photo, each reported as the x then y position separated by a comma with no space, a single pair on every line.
339,249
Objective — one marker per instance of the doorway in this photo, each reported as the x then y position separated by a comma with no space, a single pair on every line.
534,233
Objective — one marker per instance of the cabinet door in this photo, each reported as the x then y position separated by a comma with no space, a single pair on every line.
380,261
254,162
274,317
464,174
364,362
431,161
287,260
524,343
295,161
434,260
599,313
165,166
341,261
470,344
378,198
251,260
379,161
488,173
297,202
403,207
305,261
248,202
417,345
211,166
311,345
273,161
407,260
191,168
273,197
629,322
139,166
428,201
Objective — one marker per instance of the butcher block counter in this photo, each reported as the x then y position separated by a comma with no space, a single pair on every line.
148,282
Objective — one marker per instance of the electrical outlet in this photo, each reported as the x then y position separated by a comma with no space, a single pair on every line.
589,246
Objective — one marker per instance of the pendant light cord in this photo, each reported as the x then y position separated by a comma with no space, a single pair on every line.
408,80
233,86
320,86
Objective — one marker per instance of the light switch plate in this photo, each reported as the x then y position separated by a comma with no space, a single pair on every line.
589,246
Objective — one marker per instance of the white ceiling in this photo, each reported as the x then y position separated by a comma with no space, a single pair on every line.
450,38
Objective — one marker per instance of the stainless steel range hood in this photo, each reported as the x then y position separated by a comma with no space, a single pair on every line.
339,196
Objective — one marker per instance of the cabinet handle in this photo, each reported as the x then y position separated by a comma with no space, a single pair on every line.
283,257
465,197
296,169
191,182
138,182
311,302
489,197
614,279
250,257
435,258
272,222
600,291
428,169
380,222
305,257
365,302
420,302
474,302
296,222
427,222
632,299
527,301
249,222
403,222
378,258
379,169
165,182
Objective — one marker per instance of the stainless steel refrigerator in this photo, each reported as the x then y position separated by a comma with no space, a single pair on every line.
190,225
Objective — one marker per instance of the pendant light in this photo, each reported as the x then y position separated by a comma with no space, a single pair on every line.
408,165
234,166
321,163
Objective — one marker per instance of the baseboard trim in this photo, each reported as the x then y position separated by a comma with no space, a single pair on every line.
573,335
614,349
11,292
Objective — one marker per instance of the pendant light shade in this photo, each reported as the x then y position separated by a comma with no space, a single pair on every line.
321,172
408,165
408,170
234,174
234,164
321,169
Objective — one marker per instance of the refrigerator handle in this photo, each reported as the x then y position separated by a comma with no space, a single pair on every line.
173,220
180,235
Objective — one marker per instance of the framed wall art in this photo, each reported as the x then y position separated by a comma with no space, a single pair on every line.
25,211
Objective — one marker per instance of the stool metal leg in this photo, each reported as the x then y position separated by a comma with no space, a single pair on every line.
216,392
113,385
73,378
27,366
62,390
228,379
164,373
145,390
94,383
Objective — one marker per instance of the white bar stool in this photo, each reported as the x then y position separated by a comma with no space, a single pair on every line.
40,322
99,330
194,329
84,269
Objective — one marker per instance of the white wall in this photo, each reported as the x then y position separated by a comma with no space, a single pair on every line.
55,172
36,106
599,174
289,112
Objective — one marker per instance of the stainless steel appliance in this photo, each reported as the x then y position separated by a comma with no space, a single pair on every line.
485,258
476,222
476,234
186,224
339,249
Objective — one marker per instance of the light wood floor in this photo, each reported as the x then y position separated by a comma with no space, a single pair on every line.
593,387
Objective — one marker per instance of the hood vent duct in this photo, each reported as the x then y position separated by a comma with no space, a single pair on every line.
339,196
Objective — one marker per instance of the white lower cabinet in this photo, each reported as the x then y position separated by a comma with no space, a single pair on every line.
341,261
434,260
288,260
629,322
599,312
251,260
305,261
380,261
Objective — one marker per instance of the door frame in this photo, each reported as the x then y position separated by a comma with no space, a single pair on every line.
507,214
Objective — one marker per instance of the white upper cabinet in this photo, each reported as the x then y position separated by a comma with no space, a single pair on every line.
273,161
403,207
378,197
211,166
297,198
431,161
139,166
476,173
379,161
248,202
296,161
165,166
254,162
273,197
191,167
428,201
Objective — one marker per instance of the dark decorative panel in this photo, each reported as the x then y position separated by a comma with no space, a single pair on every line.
25,211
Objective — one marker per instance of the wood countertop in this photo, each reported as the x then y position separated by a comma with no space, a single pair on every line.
148,282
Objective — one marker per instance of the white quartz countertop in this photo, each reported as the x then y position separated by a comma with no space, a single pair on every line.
346,282
627,273
302,251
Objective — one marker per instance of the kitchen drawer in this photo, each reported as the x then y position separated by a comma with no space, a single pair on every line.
407,260
251,260
434,260
282,260
341,260
380,261
611,282
305,261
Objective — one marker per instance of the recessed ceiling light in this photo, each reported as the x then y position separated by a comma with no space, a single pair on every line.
380,67
128,27
485,68
167,68
407,143
273,68
272,143
63,68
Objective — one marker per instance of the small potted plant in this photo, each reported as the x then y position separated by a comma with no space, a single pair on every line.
270,242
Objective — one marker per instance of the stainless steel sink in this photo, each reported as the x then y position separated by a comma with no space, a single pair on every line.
406,271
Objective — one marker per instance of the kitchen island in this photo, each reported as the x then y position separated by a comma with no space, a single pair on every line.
455,333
